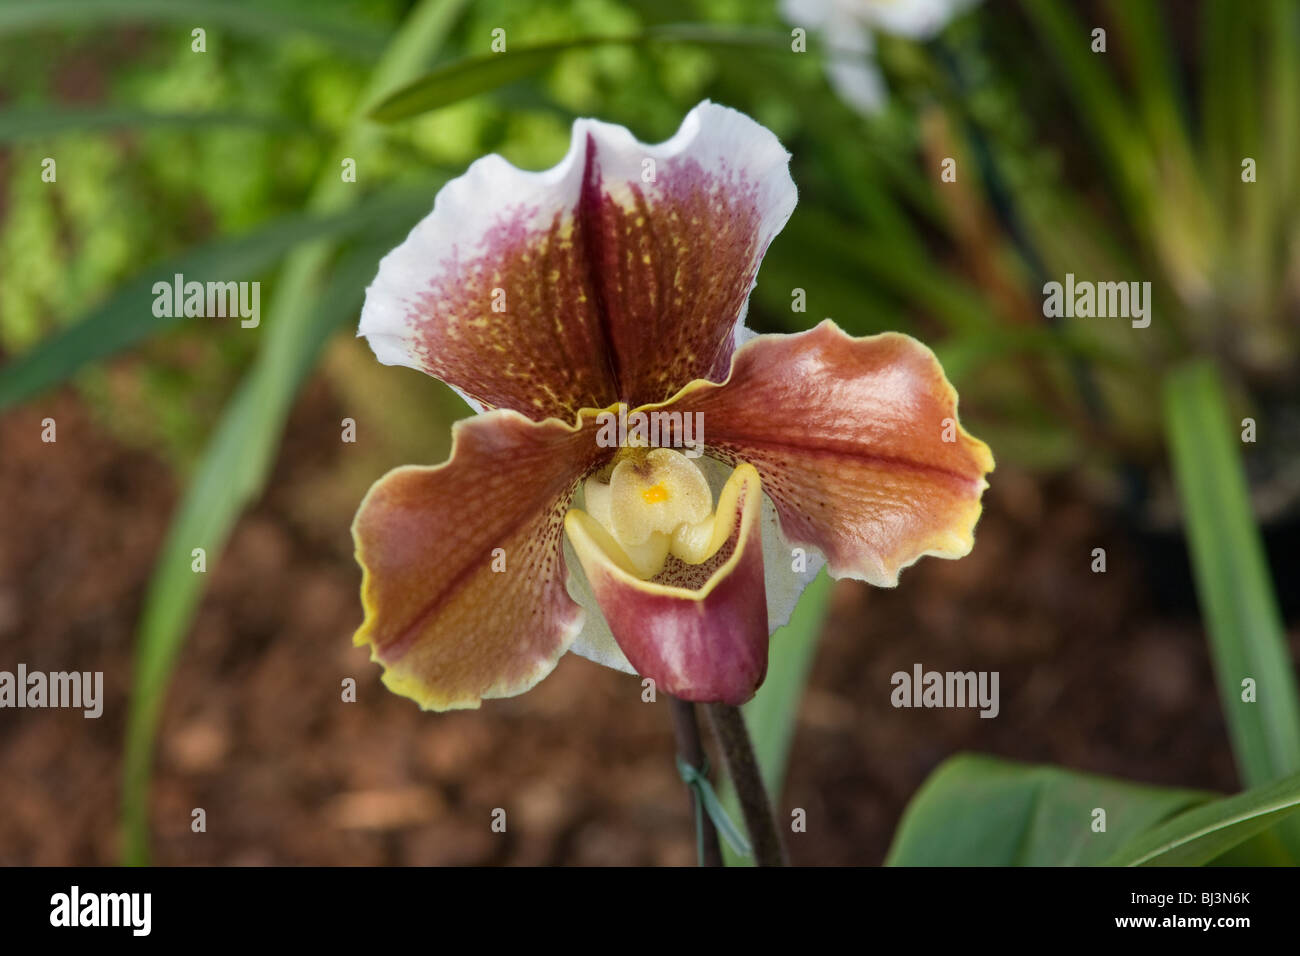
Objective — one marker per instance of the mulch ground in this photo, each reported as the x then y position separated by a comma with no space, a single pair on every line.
1094,675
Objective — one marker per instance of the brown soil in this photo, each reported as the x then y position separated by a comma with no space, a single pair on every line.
1093,676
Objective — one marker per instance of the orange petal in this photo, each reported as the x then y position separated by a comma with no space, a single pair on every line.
463,575
858,445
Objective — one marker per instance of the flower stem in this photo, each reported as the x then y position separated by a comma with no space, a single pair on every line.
738,753
691,750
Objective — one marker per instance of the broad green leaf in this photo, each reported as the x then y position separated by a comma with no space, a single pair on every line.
771,715
1206,832
265,19
21,124
1233,582
127,318
467,77
239,457
982,811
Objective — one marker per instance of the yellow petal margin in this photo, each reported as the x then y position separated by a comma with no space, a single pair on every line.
463,574
858,444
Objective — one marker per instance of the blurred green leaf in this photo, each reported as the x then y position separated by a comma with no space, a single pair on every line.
1098,98
265,19
1232,579
1263,849
127,316
467,77
464,78
813,235
1274,214
1206,832
1230,110
1284,90
20,124
982,811
1145,34
963,355
230,475
239,456
831,286
772,714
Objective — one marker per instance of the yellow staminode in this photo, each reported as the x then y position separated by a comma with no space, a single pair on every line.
655,494
654,505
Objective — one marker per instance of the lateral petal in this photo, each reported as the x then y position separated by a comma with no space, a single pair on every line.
858,444
463,575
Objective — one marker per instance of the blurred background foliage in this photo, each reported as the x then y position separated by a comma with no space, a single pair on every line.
1123,165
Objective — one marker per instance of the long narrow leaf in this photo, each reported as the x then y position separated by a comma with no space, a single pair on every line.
480,74
1206,832
1232,578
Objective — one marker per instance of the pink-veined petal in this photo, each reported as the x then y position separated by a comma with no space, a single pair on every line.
463,575
619,274
858,444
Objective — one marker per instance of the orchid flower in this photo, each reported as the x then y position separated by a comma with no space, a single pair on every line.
847,28
614,286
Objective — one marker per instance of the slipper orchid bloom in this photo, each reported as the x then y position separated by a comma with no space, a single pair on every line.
581,311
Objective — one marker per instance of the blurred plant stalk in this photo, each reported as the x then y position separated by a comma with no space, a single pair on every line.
175,592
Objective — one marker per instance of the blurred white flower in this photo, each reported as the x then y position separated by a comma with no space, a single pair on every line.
847,27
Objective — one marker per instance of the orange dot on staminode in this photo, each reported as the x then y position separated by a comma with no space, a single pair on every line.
655,494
